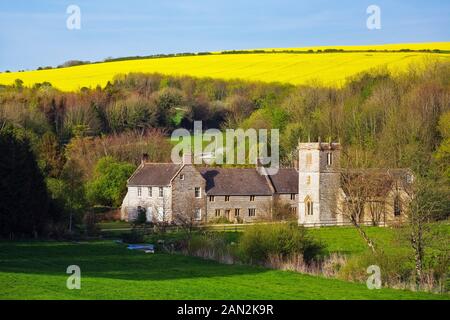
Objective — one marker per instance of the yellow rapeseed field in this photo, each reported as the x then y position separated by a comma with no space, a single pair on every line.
329,69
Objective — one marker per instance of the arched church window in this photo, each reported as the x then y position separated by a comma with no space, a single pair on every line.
397,206
309,209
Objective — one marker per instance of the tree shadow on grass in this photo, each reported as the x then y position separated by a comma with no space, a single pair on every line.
109,260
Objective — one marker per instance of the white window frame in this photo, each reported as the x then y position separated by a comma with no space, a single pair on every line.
139,192
161,192
199,190
198,214
329,159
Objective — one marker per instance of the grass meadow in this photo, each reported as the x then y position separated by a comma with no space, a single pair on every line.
37,270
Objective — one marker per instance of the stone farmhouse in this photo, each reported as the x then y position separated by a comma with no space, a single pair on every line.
316,191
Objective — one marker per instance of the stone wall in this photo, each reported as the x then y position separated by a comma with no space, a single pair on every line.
158,208
183,190
261,204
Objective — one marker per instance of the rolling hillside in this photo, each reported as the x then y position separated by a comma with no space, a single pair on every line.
329,69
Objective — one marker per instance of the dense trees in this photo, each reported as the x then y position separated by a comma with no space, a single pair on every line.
25,207
108,186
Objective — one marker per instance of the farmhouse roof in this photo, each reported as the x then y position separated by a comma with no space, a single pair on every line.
235,181
154,174
285,181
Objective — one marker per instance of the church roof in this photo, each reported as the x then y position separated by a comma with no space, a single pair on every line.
374,182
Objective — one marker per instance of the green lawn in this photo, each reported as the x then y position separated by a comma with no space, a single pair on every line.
344,240
36,270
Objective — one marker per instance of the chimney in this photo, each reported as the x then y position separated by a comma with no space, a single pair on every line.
260,167
144,158
187,158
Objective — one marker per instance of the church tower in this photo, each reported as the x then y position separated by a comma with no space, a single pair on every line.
319,182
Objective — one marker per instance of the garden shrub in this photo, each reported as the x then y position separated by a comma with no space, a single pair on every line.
135,236
259,242
396,267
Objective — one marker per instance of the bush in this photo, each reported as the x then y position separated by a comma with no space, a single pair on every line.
211,245
135,236
396,268
91,226
221,220
260,242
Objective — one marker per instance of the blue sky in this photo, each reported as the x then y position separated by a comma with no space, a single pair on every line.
33,33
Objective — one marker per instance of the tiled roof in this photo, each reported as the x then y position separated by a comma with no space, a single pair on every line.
376,182
285,181
235,181
220,181
154,174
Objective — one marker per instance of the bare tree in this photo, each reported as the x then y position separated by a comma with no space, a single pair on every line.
422,202
282,211
377,209
357,189
186,213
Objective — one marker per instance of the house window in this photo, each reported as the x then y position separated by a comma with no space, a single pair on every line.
227,213
237,212
227,198
292,196
212,199
329,158
409,179
161,192
139,190
293,210
217,213
149,190
198,214
397,206
308,159
252,198
197,192
309,206
252,212
181,176
308,180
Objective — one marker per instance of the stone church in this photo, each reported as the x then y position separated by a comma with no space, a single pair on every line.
316,191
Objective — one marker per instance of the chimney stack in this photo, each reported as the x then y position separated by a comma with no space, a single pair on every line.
187,158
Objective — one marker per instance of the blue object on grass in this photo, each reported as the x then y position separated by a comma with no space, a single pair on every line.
148,248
